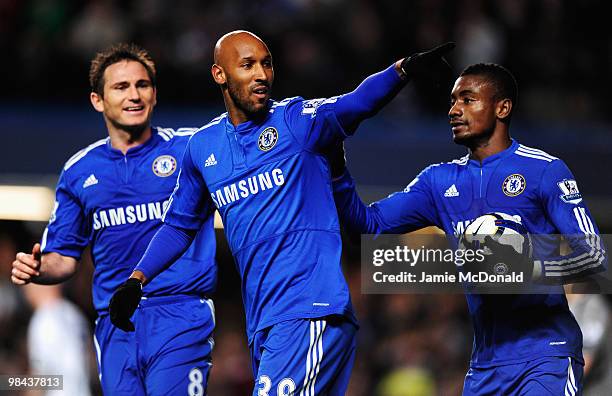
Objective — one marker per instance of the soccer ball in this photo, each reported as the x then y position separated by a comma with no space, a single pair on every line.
503,228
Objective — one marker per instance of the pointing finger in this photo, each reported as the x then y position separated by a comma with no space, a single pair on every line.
443,49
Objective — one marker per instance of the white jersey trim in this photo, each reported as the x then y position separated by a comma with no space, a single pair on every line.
185,131
169,133
536,151
211,306
530,155
164,134
214,121
82,153
314,357
570,385
531,152
584,261
283,102
461,161
43,243
98,355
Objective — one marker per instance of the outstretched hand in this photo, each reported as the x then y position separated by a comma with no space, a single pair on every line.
428,64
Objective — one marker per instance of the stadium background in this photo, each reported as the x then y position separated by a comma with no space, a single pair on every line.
560,52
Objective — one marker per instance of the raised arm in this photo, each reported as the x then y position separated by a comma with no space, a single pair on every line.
319,123
378,89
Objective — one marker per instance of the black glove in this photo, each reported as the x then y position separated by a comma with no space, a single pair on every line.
336,158
499,259
429,65
124,302
511,259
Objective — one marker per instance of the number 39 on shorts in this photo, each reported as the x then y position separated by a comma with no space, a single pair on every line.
286,387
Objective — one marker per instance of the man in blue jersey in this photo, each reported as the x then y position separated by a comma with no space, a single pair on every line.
523,344
261,165
111,195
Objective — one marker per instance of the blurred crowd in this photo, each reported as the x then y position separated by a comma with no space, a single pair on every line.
559,50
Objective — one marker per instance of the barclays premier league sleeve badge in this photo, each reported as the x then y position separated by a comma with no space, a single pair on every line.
569,188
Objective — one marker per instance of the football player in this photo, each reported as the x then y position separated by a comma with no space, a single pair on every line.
261,165
111,196
523,344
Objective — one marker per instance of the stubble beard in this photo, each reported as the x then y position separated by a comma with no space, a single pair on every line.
244,105
135,131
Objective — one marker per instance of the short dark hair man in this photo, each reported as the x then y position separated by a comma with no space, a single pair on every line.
111,195
523,344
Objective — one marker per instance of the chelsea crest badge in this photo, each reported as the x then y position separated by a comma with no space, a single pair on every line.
267,139
164,165
514,185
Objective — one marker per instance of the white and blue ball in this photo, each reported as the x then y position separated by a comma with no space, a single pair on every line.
503,228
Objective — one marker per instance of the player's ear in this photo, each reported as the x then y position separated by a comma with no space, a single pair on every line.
154,96
97,101
503,109
218,74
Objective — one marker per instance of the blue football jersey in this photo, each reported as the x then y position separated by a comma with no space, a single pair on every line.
114,202
272,188
539,191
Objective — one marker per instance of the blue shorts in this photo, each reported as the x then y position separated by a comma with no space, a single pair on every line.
304,357
540,377
168,354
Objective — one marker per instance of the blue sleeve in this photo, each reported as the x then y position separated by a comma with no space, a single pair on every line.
368,98
190,203
565,208
167,245
68,230
320,122
401,212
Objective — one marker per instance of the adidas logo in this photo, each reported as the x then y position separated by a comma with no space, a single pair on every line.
451,192
210,161
90,181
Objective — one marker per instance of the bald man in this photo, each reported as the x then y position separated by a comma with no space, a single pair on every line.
261,165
